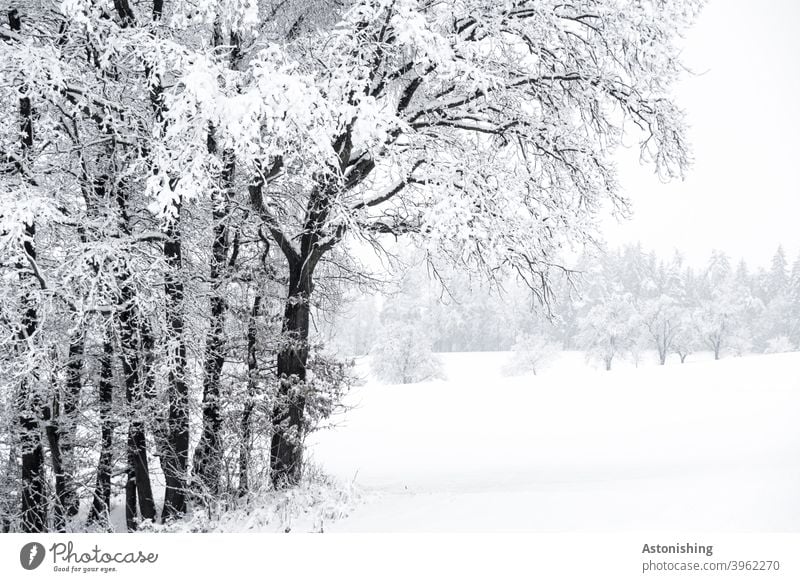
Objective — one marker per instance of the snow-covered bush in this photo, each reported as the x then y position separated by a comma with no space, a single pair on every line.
607,328
779,345
314,502
686,340
740,342
531,354
404,355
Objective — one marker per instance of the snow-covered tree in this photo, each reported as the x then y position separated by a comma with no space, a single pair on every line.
660,316
721,316
686,339
403,354
484,131
180,184
779,345
608,328
531,354
778,275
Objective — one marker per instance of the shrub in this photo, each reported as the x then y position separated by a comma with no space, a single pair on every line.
404,354
531,353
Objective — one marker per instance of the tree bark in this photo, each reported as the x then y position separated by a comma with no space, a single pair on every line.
247,412
207,464
135,341
60,424
177,453
101,502
51,414
286,450
287,417
138,483
67,420
34,500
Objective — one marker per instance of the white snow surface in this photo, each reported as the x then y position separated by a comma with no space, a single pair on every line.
702,446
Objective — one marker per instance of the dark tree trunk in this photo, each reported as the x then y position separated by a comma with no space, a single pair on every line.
51,414
130,488
101,502
207,464
59,416
247,412
139,471
208,455
286,450
177,453
34,500
135,341
67,421
132,368
287,418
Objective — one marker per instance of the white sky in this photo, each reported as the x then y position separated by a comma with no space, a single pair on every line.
742,194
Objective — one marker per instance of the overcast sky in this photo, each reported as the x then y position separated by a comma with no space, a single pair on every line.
742,194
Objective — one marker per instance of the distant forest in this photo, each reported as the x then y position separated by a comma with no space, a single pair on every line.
616,304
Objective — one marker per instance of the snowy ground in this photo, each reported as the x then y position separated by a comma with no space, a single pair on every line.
701,446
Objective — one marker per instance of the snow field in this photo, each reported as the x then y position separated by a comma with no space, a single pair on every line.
701,446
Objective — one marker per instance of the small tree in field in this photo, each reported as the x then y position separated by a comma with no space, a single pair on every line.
607,329
404,355
686,339
531,354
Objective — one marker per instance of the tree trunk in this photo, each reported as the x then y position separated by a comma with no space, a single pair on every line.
51,414
247,412
101,503
286,450
59,417
34,500
208,454
130,487
132,368
67,421
6,508
177,454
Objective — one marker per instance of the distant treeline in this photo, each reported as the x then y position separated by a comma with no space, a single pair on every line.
617,303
